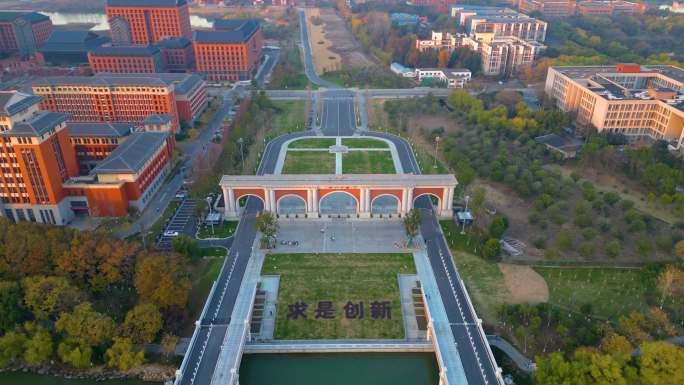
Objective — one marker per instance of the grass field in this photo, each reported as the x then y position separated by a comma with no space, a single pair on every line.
368,162
226,229
339,278
427,164
323,143
309,162
611,292
364,143
290,118
203,274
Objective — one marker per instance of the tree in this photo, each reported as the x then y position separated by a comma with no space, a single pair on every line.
267,224
38,347
162,279
670,281
661,363
412,223
49,296
122,356
168,345
86,324
142,323
10,305
11,347
553,370
679,250
187,247
491,248
498,227
591,367
443,58
617,346
76,353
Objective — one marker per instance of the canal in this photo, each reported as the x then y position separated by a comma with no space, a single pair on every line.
297,369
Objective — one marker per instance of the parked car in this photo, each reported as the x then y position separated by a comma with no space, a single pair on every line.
169,233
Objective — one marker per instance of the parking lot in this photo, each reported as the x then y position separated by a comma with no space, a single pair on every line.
182,222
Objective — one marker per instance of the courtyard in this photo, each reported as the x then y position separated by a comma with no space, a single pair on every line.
339,155
339,296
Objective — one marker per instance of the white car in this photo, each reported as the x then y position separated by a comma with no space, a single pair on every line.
169,233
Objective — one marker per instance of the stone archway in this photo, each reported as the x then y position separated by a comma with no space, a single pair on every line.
385,204
338,203
291,204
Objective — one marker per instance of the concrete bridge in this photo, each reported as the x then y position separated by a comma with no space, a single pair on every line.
339,346
348,195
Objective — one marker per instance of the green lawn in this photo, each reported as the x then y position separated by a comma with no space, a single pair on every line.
339,278
309,162
484,281
368,162
224,230
612,292
364,143
427,164
214,252
323,143
291,117
469,242
203,274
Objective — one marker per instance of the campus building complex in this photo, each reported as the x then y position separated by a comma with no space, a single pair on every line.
498,22
23,32
126,98
499,55
126,59
641,102
230,52
148,21
564,8
42,177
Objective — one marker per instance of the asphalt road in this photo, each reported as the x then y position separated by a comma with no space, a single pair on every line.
463,321
203,354
337,115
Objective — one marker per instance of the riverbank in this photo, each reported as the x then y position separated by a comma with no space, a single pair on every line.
148,374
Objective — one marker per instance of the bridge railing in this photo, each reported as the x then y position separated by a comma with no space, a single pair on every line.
198,324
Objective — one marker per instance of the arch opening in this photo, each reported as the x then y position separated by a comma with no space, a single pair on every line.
291,205
427,200
385,204
338,203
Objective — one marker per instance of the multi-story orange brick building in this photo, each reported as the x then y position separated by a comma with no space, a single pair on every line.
641,102
124,98
23,32
177,54
550,8
610,7
151,20
94,141
39,160
231,52
126,59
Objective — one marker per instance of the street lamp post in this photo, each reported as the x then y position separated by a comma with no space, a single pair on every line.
436,147
208,199
242,153
467,198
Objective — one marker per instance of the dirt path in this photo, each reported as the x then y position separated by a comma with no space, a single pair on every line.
524,284
324,58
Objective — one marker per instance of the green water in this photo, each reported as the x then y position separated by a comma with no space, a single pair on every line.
38,379
297,369
339,369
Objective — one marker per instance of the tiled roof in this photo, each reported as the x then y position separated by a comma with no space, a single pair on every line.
38,125
227,31
157,119
12,102
235,24
124,50
132,154
73,41
33,17
99,129
145,3
183,83
174,42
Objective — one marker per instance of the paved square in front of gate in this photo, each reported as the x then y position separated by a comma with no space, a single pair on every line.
341,236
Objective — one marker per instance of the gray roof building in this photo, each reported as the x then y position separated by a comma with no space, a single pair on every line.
99,129
146,3
38,125
125,50
71,47
13,102
132,155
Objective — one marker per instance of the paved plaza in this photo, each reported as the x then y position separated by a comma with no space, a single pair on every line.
342,236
